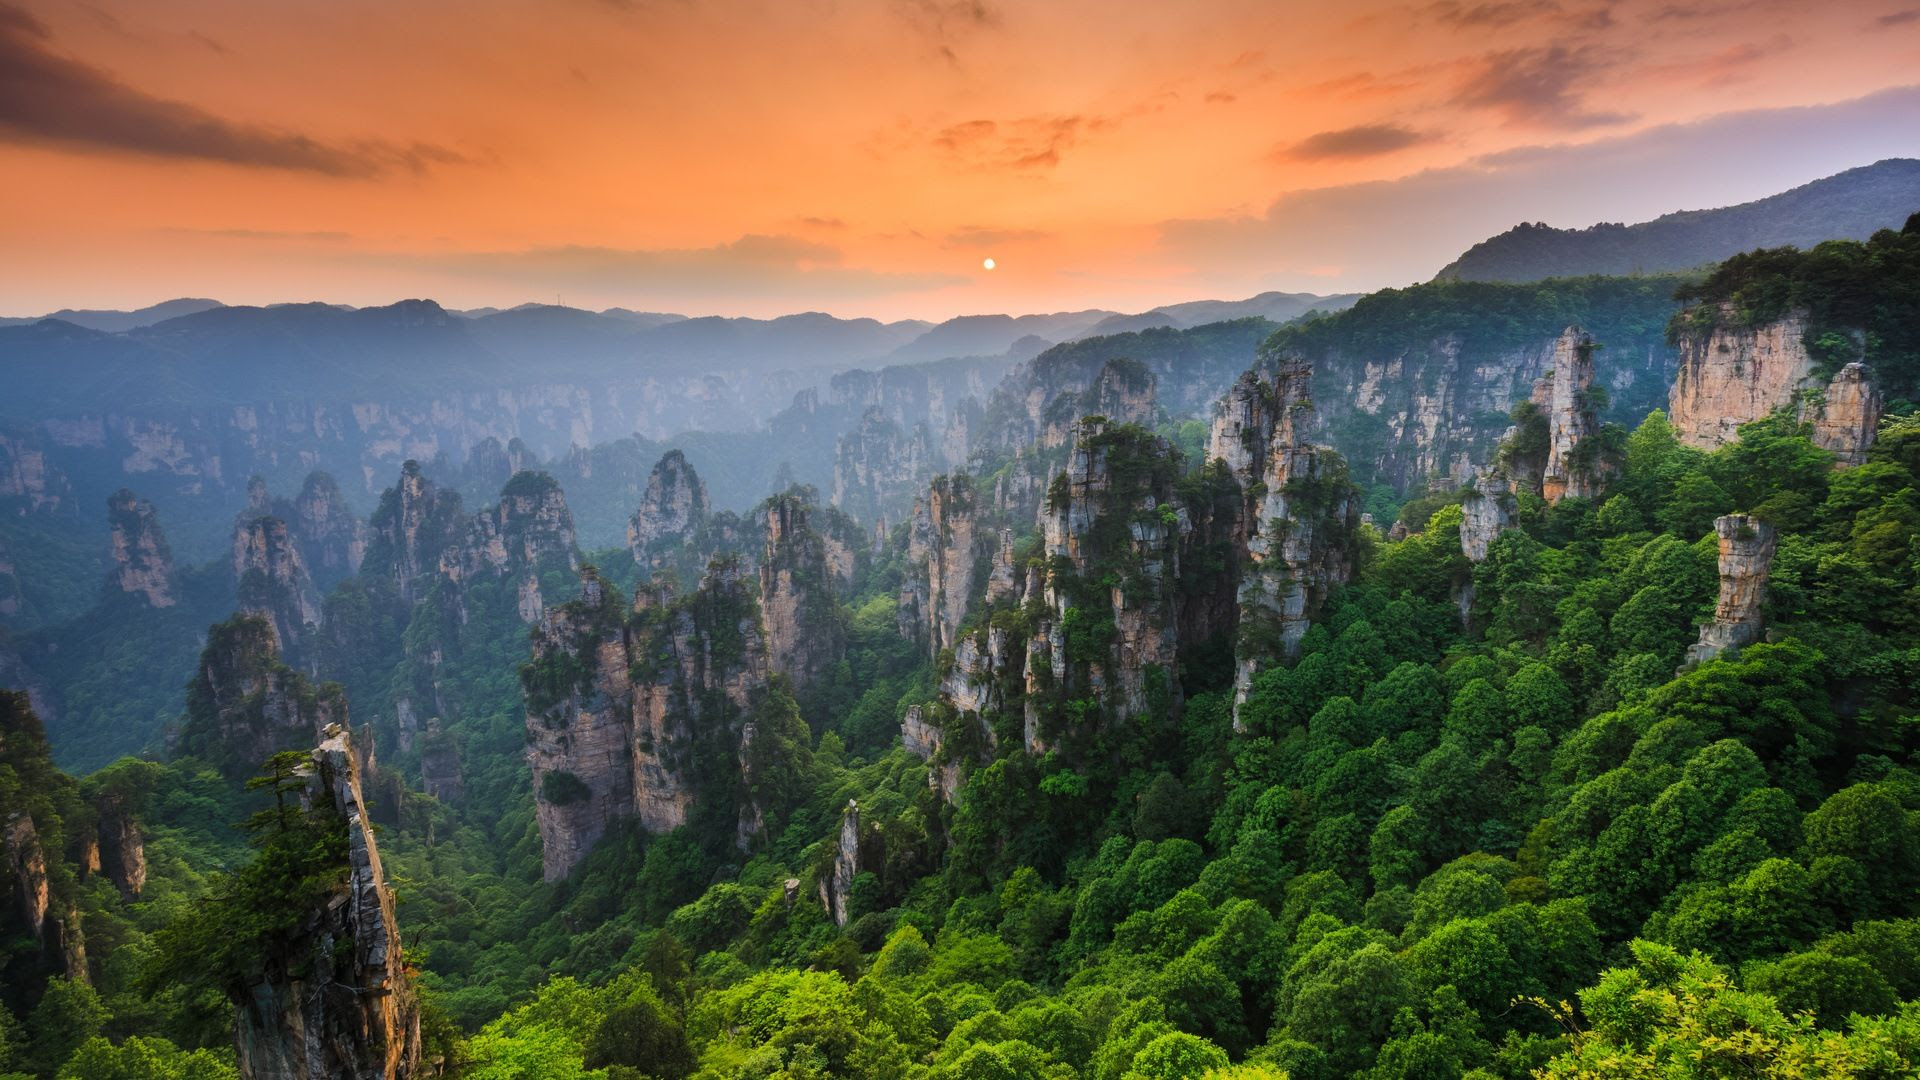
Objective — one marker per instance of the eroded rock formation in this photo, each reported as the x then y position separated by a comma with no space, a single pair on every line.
800,573
142,562
944,545
1298,518
672,513
337,1004
1746,559
1732,375
122,847
245,704
836,885
271,579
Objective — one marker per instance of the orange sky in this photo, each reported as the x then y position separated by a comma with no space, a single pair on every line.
863,156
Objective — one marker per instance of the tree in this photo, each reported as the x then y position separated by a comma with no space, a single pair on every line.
1176,1056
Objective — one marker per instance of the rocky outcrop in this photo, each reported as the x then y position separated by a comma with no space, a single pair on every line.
331,538
413,526
924,740
944,546
1486,511
338,1003
1564,395
1137,571
836,885
672,514
1298,517
1746,559
440,774
142,562
798,582
12,599
271,579
618,700
245,704
529,531
1732,375
52,922
1847,417
122,847
879,466
26,476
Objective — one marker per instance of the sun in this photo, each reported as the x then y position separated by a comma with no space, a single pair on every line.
986,264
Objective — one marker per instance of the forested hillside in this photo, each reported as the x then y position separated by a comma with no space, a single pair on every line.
1134,754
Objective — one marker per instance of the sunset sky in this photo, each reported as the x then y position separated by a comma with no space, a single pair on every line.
864,156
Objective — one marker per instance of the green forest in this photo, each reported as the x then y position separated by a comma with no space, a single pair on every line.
1491,822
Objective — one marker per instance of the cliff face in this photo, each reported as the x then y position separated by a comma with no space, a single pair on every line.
1746,560
671,515
1564,395
1298,515
1732,375
339,1004
39,902
629,712
122,847
331,538
879,465
944,548
26,476
836,885
528,531
271,579
1136,572
142,562
245,704
799,577
413,525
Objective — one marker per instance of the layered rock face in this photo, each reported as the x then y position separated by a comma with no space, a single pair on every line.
1563,394
1746,559
879,465
836,885
123,850
617,700
142,562
944,546
528,531
331,538
53,924
1848,417
271,579
413,525
1298,518
1733,375
1123,391
338,1004
1486,511
1126,587
245,704
671,515
799,577
26,476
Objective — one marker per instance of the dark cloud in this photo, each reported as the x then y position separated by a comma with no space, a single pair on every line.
1483,15
49,98
1538,87
1899,18
1221,97
975,236
1366,140
823,222
753,266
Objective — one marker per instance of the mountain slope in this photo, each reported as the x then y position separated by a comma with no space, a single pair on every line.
1850,205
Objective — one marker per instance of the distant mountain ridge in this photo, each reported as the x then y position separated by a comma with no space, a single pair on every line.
1849,205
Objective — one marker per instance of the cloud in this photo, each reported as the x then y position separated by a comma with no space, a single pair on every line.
823,222
48,98
1023,145
975,236
946,23
1366,140
1487,15
1538,87
1898,18
754,266
326,236
1732,64
1398,231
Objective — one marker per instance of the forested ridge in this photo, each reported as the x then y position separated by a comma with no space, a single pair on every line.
1492,822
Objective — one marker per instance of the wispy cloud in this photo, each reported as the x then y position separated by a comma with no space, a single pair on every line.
1538,87
975,236
946,24
1365,140
1027,144
49,98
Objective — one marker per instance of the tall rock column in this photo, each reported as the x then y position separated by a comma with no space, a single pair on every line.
271,578
804,633
142,562
671,515
945,537
1564,394
1848,416
1299,519
1746,559
340,1004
